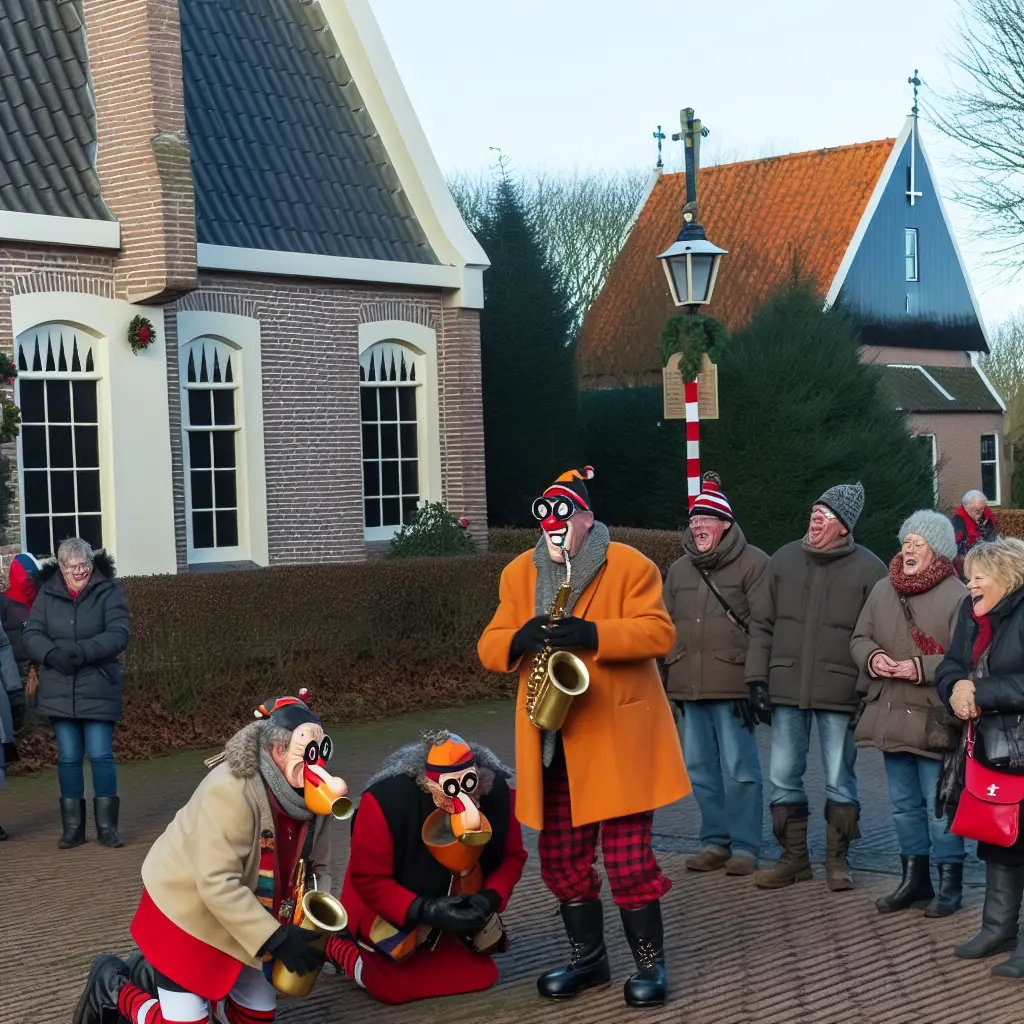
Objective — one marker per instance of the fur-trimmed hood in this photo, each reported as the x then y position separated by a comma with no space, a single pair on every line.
103,567
412,758
242,751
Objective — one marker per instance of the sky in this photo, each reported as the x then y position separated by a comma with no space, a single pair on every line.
564,84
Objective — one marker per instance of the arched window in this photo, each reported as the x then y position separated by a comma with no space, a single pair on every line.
58,447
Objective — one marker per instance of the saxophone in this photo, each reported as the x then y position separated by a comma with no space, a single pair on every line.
556,676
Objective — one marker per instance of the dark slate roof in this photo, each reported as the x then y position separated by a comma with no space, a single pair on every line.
909,389
284,155
47,118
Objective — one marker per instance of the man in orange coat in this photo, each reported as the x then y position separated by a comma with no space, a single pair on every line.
617,756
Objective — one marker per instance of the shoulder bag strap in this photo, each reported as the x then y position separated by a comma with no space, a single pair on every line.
732,616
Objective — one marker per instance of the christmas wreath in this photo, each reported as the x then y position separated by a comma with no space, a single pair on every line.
141,334
692,336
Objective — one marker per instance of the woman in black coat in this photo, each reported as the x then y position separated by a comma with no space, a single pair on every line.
78,628
982,674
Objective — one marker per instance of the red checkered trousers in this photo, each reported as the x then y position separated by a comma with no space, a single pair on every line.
568,852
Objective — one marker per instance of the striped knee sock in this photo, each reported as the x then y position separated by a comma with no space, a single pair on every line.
139,1007
243,1015
343,952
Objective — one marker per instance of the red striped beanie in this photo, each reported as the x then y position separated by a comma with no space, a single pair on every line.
711,501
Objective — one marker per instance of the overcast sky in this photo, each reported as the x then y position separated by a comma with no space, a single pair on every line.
584,83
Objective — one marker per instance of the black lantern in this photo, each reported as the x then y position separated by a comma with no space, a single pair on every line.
691,266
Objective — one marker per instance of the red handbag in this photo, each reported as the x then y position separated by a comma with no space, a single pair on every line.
989,807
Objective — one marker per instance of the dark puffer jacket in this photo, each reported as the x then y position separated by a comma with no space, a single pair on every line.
99,623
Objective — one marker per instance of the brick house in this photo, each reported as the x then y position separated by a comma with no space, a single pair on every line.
865,225
251,177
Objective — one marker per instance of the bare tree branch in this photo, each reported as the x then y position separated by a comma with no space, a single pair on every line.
1004,366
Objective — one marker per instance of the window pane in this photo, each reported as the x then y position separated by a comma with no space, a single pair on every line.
388,403
37,492
84,393
202,489
30,394
199,451
33,447
227,529
227,494
63,527
60,446
389,441
199,412
371,479
389,478
62,491
410,476
90,528
87,446
988,480
224,408
988,447
371,512
37,535
224,449
370,447
391,512
202,530
88,490
910,236
368,403
58,399
409,441
408,508
407,404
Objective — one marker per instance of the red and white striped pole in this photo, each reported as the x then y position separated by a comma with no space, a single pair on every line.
692,442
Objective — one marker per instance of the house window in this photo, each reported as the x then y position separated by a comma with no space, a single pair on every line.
990,467
58,447
210,370
391,378
910,252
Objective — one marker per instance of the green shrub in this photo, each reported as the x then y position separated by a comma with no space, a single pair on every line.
433,531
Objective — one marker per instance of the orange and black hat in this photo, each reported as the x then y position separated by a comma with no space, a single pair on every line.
289,712
571,487
452,755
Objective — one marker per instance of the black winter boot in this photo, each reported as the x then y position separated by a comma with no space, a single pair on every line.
951,891
98,1004
588,967
106,809
3,834
72,819
649,986
841,829
142,974
1004,890
915,889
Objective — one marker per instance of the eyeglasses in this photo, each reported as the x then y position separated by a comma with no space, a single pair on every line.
830,516
76,568
703,521
561,508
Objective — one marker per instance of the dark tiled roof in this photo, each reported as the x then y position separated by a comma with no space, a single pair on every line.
909,389
284,155
47,118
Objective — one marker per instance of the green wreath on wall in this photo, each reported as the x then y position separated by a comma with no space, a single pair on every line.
141,334
692,336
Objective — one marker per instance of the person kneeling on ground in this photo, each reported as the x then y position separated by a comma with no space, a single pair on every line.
436,851
223,884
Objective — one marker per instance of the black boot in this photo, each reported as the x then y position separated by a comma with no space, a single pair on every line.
649,986
142,974
1004,889
915,890
584,924
98,1004
72,819
3,834
951,891
106,808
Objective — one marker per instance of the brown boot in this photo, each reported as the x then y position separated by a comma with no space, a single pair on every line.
711,858
840,830
789,822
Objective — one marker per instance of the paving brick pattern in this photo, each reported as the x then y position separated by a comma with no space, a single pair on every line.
735,954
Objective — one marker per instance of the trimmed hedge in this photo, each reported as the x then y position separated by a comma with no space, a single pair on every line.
1010,521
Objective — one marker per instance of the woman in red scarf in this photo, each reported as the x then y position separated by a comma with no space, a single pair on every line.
982,680
973,523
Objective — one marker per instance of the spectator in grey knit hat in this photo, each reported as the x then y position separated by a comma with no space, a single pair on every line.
799,668
900,639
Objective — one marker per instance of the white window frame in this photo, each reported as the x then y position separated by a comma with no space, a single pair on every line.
908,234
421,343
992,462
935,465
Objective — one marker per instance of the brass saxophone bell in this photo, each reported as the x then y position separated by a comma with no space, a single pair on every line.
567,677
321,913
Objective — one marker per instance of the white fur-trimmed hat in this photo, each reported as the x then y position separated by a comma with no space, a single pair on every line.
934,528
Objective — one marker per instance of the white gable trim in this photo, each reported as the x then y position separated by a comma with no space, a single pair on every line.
976,363
467,281
931,380
366,54
77,231
869,212
655,177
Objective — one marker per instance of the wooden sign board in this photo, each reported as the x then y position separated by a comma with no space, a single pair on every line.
674,396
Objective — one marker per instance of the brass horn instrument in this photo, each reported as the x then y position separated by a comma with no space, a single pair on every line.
320,912
557,677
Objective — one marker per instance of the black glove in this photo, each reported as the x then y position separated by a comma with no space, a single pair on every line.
77,656
486,901
291,945
449,914
529,638
17,700
762,702
744,711
61,659
858,714
573,632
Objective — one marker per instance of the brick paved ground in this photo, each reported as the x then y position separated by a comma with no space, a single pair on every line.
735,954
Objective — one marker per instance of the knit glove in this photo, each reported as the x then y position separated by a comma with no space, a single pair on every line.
291,945
761,701
448,914
530,638
573,632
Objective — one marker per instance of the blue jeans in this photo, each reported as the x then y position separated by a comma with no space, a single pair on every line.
725,771
77,737
912,781
791,739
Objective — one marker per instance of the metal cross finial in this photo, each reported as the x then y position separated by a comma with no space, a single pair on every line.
916,83
660,136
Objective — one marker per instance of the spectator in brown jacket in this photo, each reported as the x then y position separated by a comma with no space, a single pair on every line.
706,595
901,637
804,612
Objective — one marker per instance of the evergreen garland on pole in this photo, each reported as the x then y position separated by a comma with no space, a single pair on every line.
692,336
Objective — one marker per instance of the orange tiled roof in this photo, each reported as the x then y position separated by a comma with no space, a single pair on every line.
778,217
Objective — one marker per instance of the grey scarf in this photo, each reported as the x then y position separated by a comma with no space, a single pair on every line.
292,803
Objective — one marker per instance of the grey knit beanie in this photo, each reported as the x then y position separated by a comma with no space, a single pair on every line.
847,501
934,528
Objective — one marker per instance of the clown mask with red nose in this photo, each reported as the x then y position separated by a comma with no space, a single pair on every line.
563,511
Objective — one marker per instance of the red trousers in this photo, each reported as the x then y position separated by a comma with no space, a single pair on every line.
568,852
